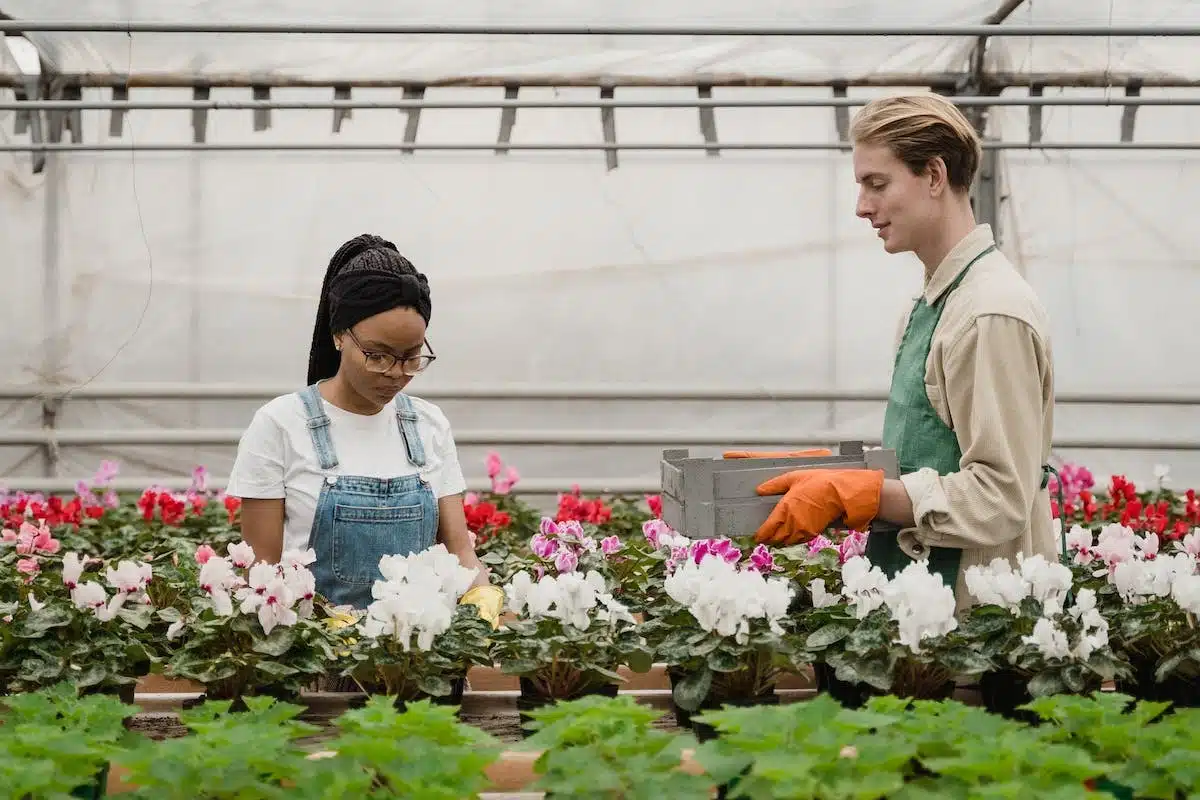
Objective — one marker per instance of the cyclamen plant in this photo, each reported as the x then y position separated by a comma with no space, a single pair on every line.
570,636
415,639
723,629
247,626
1036,647
898,636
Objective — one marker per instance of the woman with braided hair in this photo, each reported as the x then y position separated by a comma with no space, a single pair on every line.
351,466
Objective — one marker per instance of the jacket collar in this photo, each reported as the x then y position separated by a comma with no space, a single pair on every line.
957,260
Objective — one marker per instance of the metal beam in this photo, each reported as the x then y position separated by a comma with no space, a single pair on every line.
572,437
427,29
550,392
1016,80
839,100
609,147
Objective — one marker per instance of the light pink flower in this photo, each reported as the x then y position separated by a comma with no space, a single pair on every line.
654,530
566,561
107,471
28,566
818,544
610,545
543,546
204,553
494,464
36,539
854,545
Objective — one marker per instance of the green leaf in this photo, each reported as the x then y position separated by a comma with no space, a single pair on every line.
824,637
690,691
278,643
640,661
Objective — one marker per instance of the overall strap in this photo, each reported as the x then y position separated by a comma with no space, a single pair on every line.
406,418
318,427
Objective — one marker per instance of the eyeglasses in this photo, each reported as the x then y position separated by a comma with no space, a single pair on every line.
383,362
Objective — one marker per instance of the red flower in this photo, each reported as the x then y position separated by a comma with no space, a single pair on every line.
573,506
485,520
655,503
232,506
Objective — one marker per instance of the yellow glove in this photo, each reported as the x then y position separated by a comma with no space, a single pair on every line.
488,599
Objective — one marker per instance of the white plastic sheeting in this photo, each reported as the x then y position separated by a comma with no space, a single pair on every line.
450,58
743,270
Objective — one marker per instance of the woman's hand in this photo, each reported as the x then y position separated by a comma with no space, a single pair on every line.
453,533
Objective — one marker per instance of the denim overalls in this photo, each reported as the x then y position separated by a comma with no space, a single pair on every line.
358,519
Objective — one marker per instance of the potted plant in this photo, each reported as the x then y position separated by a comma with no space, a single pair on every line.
569,638
721,629
72,618
895,636
414,640
1036,646
246,627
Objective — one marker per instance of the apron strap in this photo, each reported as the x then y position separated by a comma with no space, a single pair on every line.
406,418
318,427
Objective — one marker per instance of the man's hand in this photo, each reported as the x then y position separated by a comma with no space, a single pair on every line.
813,499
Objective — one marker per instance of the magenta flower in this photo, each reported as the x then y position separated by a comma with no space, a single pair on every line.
494,465
548,527
761,559
610,545
199,479
653,529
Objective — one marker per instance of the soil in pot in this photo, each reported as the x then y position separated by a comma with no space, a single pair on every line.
458,687
531,700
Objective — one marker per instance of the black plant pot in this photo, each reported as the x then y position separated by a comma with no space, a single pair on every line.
704,732
1003,692
531,700
458,687
1179,692
850,695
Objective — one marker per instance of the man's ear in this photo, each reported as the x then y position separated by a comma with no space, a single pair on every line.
935,171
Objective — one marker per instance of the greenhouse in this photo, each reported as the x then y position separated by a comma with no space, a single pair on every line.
638,222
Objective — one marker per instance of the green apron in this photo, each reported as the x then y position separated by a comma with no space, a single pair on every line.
913,429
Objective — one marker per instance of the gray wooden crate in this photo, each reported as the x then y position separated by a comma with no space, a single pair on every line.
708,497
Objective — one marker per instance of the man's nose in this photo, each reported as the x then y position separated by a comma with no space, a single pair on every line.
862,208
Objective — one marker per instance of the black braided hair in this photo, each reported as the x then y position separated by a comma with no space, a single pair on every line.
366,276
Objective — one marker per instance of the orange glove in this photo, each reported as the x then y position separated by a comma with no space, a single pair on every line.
776,453
813,499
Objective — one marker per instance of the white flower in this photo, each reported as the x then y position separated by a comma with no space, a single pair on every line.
273,602
1048,581
572,598
997,584
217,578
822,598
72,569
863,585
432,565
724,599
293,560
406,609
92,595
129,577
921,604
1079,542
241,554
1185,591
1049,639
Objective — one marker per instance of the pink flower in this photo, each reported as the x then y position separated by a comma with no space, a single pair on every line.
722,548
28,566
107,471
33,539
8,535
199,479
470,498
474,539
543,546
111,500
204,553
653,529
505,484
761,559
566,561
855,544
571,529
548,527
494,464
818,544
610,545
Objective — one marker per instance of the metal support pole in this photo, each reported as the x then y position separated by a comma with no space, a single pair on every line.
610,147
571,437
556,392
427,29
343,102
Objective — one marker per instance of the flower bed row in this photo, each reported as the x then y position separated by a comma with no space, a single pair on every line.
55,744
103,599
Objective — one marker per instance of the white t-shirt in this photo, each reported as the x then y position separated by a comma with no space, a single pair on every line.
276,457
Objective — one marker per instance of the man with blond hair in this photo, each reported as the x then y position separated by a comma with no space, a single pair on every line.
971,407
